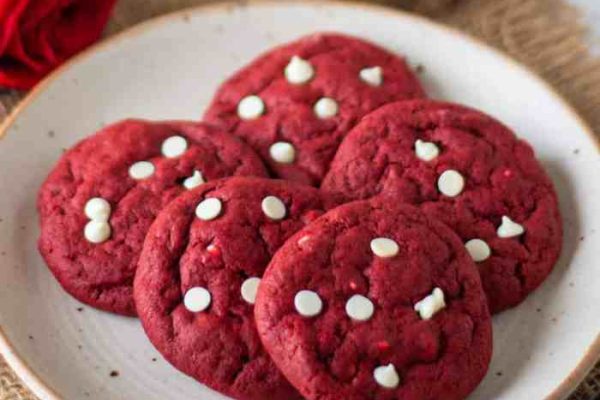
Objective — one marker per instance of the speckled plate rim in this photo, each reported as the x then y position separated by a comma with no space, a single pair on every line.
42,389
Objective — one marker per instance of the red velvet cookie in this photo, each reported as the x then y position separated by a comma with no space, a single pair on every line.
294,104
471,172
198,274
99,201
374,300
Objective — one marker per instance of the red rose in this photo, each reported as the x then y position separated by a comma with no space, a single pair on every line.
38,35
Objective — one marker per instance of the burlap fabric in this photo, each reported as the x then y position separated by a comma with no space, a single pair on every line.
546,35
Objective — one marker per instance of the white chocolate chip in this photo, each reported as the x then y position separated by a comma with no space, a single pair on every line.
359,308
478,249
282,152
386,376
451,183
251,107
197,299
209,209
141,170
174,146
97,231
298,71
509,228
193,181
326,107
249,289
431,304
97,209
384,247
212,249
426,151
373,76
273,207
308,303
303,240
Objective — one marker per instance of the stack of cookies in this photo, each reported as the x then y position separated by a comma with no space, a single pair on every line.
327,232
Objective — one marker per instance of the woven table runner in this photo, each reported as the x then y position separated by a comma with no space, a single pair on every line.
546,35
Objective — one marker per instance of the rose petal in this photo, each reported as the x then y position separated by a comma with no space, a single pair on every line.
82,26
16,51
40,22
10,14
19,77
36,36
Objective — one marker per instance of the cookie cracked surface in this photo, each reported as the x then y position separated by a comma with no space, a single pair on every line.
101,197
469,171
370,338
197,279
295,103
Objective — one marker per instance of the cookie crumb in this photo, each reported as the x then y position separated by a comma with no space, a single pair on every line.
114,374
581,238
30,337
79,346
80,309
499,373
554,319
50,134
538,310
420,68
153,359
576,151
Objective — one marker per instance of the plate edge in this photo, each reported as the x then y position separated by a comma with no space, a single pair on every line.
45,391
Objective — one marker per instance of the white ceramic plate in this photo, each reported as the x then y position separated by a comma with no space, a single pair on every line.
169,68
